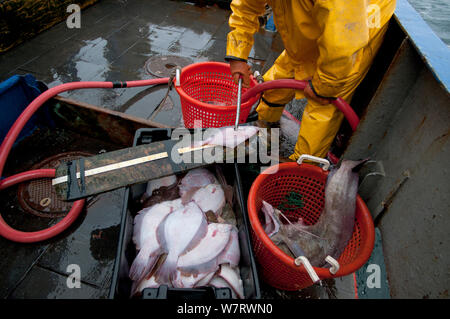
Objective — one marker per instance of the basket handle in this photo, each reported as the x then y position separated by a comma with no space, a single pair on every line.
334,264
177,76
309,268
326,163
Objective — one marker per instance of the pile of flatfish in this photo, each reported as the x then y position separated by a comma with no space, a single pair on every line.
189,239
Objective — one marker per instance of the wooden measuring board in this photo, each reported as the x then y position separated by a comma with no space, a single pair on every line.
88,176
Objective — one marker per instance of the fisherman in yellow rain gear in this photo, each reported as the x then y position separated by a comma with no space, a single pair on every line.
331,43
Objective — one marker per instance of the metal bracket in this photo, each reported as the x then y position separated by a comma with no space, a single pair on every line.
73,190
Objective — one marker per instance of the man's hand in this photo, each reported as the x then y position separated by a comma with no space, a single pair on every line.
238,69
309,94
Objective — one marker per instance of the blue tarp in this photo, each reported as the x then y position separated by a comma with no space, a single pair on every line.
270,25
15,94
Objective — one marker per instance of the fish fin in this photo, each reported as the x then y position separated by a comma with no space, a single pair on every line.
227,189
294,247
134,288
206,267
219,212
144,198
160,235
201,232
360,165
165,273
233,280
272,221
142,264
231,253
205,280
137,230
187,196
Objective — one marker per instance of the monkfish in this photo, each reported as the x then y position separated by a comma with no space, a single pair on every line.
330,234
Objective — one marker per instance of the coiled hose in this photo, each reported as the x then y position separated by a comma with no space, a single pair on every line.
30,237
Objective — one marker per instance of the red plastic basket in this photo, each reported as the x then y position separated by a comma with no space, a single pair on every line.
276,267
208,94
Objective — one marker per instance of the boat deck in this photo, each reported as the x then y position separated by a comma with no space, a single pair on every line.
114,42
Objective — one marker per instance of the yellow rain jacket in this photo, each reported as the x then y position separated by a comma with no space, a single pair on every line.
331,42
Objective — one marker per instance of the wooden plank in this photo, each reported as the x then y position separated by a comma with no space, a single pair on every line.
114,114
98,122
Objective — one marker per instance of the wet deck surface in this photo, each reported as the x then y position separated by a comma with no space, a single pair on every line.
115,40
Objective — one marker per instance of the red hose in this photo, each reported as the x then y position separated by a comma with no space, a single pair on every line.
29,237
25,176
343,106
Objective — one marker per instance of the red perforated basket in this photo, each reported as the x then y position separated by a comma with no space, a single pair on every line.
276,267
208,96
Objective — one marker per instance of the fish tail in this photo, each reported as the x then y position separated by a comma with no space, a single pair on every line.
134,288
142,265
227,189
165,273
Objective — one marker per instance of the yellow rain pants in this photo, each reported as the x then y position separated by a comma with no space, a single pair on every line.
331,42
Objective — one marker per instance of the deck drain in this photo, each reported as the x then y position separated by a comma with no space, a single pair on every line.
38,196
162,65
